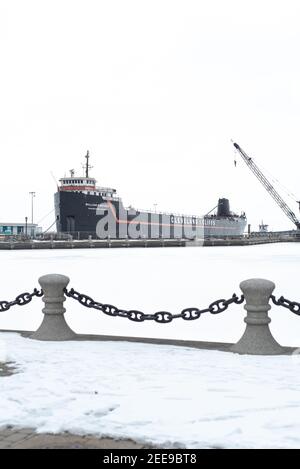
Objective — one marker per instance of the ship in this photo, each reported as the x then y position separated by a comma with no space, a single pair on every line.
85,210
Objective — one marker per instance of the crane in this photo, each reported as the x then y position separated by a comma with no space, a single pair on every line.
268,186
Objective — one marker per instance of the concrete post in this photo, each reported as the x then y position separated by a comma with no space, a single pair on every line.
257,338
54,326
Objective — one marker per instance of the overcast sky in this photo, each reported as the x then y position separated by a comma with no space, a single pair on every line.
155,90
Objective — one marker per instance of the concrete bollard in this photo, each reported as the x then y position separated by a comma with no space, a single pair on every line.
54,326
257,338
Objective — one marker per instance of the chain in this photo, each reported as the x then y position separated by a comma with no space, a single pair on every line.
291,305
163,317
21,300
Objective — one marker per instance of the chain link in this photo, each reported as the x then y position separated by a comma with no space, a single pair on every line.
163,317
21,300
293,306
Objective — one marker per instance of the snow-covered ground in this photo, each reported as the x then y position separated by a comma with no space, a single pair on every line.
156,279
165,395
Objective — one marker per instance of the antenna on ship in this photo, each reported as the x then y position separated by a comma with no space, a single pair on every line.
87,166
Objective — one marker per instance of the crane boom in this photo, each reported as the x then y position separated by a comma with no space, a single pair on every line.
268,186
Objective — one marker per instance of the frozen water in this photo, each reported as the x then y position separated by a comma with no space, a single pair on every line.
152,279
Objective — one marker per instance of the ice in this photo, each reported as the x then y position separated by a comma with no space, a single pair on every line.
150,280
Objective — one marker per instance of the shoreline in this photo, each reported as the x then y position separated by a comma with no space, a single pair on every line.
144,243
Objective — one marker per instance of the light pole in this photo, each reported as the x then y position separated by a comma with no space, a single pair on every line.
32,197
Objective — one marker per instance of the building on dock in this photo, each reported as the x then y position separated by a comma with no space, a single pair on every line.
20,229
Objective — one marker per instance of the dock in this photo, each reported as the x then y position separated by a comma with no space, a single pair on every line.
249,240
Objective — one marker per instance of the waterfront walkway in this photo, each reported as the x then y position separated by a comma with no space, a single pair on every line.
26,438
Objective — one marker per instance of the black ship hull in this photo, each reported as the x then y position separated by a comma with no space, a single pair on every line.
85,215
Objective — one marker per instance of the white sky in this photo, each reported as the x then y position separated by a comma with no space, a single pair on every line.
155,90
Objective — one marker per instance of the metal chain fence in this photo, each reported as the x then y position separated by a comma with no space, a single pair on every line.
21,300
188,314
293,306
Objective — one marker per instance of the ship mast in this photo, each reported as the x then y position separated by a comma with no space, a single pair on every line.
87,166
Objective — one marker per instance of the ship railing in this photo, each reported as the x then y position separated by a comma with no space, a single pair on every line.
106,189
111,197
156,212
176,214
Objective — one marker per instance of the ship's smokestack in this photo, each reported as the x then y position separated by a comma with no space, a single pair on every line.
223,208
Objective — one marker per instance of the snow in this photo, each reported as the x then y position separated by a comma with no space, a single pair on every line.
164,395
156,279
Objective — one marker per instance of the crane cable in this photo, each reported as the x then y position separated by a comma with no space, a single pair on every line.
49,227
273,179
45,216
282,186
